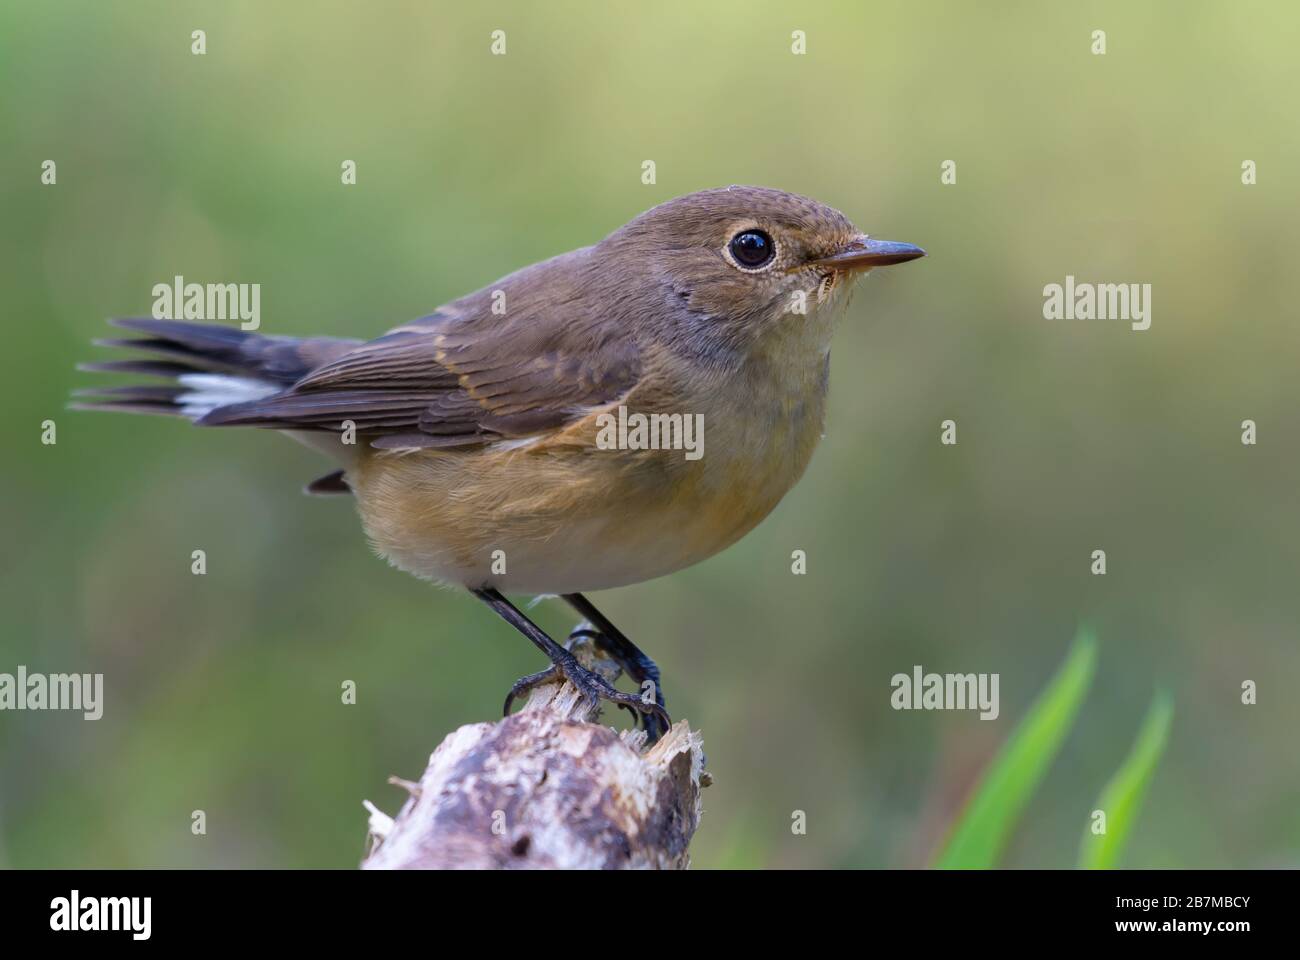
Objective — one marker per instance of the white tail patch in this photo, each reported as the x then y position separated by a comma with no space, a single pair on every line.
517,443
207,391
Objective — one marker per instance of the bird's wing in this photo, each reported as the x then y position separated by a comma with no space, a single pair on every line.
462,376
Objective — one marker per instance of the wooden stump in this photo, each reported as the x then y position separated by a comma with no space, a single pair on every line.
548,788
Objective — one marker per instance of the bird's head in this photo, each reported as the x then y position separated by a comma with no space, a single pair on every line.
737,263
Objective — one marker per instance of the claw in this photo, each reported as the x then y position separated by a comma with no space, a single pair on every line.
636,716
524,684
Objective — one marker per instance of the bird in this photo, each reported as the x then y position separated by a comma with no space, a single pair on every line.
480,443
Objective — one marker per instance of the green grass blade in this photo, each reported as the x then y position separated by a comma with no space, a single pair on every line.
980,834
1121,800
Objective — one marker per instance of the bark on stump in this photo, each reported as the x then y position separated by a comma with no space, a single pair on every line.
548,788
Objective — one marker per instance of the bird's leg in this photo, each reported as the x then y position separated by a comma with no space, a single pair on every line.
590,684
629,656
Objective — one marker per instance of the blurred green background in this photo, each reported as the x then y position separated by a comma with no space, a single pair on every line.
223,691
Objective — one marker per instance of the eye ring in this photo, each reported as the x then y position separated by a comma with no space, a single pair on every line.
752,249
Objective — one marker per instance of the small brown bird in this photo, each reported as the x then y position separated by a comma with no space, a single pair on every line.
545,434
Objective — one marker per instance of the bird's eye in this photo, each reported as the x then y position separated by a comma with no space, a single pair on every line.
752,249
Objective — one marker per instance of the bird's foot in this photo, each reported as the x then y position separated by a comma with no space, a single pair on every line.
593,687
640,668
643,671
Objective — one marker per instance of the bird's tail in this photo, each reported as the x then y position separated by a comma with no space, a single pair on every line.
203,366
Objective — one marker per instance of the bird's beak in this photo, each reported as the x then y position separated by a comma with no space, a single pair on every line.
863,253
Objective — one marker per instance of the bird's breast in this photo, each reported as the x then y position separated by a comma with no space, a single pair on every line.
594,505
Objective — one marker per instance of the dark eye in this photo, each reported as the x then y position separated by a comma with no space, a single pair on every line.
752,248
